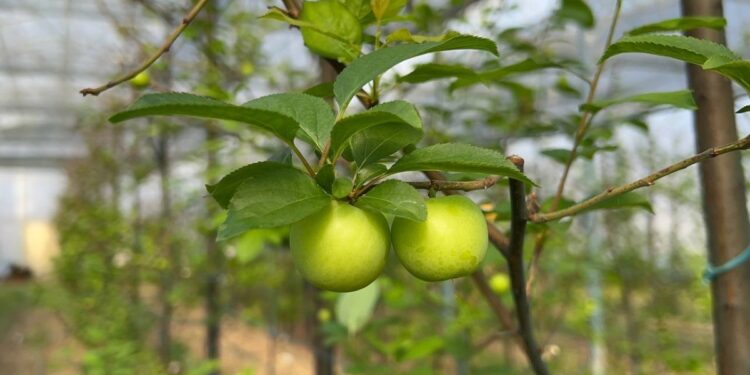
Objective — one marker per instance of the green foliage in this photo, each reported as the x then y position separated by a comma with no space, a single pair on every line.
354,309
367,67
370,136
495,75
341,188
321,90
404,35
271,195
456,157
706,54
330,17
680,99
383,9
627,200
395,198
313,115
184,104
575,11
680,24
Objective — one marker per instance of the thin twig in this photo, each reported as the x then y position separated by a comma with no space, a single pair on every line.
742,144
164,48
583,125
587,116
301,157
516,269
442,185
292,8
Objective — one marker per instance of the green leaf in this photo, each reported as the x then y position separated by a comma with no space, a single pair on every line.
680,99
685,48
251,243
223,190
680,24
496,75
707,54
328,42
423,348
457,157
272,195
562,155
396,198
341,187
373,144
627,200
433,71
183,104
576,11
359,8
314,115
332,18
738,71
322,90
354,309
370,171
367,67
744,109
369,136
404,35
325,177
383,9
283,156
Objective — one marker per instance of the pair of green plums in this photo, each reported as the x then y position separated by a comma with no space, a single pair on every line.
343,248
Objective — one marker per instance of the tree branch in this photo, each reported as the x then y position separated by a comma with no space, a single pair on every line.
292,8
742,144
519,216
443,185
164,48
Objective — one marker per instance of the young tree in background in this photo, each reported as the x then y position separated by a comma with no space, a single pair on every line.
724,202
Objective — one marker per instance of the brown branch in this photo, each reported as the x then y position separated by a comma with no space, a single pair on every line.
442,185
292,8
742,144
519,216
164,48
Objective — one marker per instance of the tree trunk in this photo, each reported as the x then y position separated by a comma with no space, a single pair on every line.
632,329
169,252
724,202
215,262
324,354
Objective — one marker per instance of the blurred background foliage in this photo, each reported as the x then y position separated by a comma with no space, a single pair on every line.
616,288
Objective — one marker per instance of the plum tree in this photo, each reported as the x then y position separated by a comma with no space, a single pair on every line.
341,248
451,243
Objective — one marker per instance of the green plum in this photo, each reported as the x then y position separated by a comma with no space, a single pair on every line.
340,248
500,283
141,79
451,243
